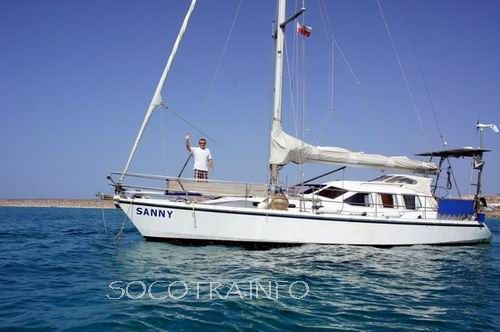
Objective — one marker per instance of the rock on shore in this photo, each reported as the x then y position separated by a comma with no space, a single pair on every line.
66,203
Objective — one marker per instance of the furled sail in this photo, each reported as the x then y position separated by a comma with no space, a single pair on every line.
286,149
157,99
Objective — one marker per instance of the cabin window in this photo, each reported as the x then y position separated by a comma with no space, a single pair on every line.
312,189
359,199
410,202
387,200
418,202
332,192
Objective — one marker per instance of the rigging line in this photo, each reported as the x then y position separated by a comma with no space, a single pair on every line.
329,31
125,218
217,69
294,111
302,91
295,93
470,178
329,27
330,110
163,143
431,102
223,148
303,80
295,73
294,42
325,18
347,63
454,178
199,130
332,72
294,97
402,71
290,83
336,47
270,106
332,77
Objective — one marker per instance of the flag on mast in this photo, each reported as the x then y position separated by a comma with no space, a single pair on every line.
304,30
489,125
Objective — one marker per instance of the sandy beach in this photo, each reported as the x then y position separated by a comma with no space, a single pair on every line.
60,203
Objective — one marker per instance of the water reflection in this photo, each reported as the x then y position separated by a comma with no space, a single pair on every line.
349,286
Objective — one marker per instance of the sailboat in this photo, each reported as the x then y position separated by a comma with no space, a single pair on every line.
392,210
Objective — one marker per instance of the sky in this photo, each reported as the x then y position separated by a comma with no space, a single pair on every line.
76,78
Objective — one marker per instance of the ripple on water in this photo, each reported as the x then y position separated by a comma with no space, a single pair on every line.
57,265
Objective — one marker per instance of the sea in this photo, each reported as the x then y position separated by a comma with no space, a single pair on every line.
63,269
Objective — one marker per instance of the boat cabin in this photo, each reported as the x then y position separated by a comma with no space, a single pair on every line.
402,196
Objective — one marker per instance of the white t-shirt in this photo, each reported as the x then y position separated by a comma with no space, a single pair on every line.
201,158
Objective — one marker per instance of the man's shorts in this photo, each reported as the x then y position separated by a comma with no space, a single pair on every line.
200,176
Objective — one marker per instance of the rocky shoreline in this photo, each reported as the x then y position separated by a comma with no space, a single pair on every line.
59,203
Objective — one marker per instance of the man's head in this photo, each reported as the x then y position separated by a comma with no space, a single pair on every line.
202,143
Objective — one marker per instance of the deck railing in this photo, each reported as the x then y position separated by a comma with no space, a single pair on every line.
189,189
187,186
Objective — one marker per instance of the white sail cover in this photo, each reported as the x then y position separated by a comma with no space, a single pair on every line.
286,149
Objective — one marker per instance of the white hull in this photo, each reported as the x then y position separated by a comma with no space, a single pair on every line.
191,222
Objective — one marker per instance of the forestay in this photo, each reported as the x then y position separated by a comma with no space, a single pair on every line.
286,149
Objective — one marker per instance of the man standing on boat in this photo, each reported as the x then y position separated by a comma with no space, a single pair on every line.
202,159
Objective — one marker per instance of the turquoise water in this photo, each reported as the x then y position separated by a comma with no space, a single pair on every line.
57,266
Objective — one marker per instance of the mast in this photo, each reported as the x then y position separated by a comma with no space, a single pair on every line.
480,163
281,22
157,99
278,77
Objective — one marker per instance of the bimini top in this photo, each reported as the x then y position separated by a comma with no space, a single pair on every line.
456,153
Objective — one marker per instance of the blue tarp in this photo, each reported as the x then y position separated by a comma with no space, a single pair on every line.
456,207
